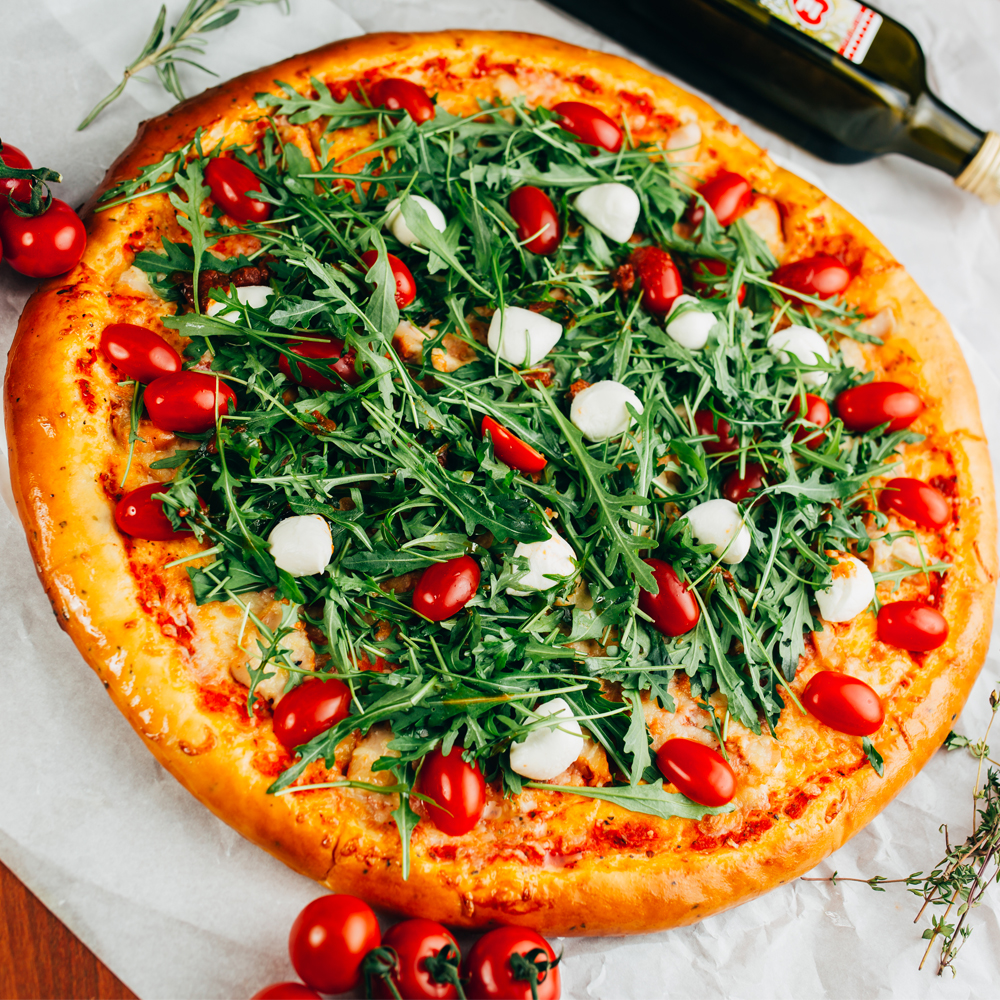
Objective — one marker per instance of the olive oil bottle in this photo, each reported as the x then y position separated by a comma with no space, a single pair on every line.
836,77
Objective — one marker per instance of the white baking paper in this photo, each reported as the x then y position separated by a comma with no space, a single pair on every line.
180,906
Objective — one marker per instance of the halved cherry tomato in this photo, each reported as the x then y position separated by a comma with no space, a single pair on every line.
864,407
139,515
492,976
674,609
912,625
44,245
589,125
697,771
511,450
18,187
330,348
821,276
310,709
229,181
727,194
534,212
458,788
737,488
188,401
141,354
445,588
844,703
286,991
329,939
406,287
705,276
660,279
417,944
707,422
915,499
815,412
402,95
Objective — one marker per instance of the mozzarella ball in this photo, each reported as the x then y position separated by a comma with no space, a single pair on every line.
599,410
548,751
611,208
718,523
852,590
396,224
521,336
254,296
691,328
803,344
302,545
551,557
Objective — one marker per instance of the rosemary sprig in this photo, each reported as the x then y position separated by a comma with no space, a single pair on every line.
163,52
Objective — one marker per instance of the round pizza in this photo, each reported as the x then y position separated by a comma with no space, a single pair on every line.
490,484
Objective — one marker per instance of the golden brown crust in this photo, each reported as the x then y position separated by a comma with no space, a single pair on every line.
645,873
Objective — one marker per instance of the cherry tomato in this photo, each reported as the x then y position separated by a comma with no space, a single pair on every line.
187,401
708,423
915,499
705,275
457,786
674,609
697,771
660,279
416,941
821,276
141,354
815,412
844,703
727,194
286,991
229,181
534,212
589,125
310,709
139,515
18,187
406,287
912,625
402,95
492,975
445,588
864,407
737,488
329,939
44,245
511,450
329,348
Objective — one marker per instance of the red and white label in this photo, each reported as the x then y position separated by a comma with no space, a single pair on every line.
846,26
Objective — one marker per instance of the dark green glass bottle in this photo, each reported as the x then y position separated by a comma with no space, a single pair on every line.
836,77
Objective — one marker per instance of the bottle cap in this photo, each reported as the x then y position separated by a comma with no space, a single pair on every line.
982,175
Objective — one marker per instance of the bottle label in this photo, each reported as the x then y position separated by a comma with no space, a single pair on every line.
846,26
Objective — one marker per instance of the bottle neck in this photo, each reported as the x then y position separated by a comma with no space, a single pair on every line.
938,136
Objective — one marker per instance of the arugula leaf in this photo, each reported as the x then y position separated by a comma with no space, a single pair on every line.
649,799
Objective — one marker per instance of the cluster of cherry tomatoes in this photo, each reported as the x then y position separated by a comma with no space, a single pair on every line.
38,245
336,944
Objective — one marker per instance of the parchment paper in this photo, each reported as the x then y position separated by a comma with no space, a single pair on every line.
180,906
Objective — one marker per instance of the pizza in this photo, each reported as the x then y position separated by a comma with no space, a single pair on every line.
490,484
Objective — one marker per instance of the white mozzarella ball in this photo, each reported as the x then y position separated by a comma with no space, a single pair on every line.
521,336
254,296
551,557
852,590
547,751
599,411
691,328
396,224
302,545
804,344
612,208
718,523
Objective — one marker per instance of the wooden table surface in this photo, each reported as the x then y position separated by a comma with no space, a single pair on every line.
40,959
